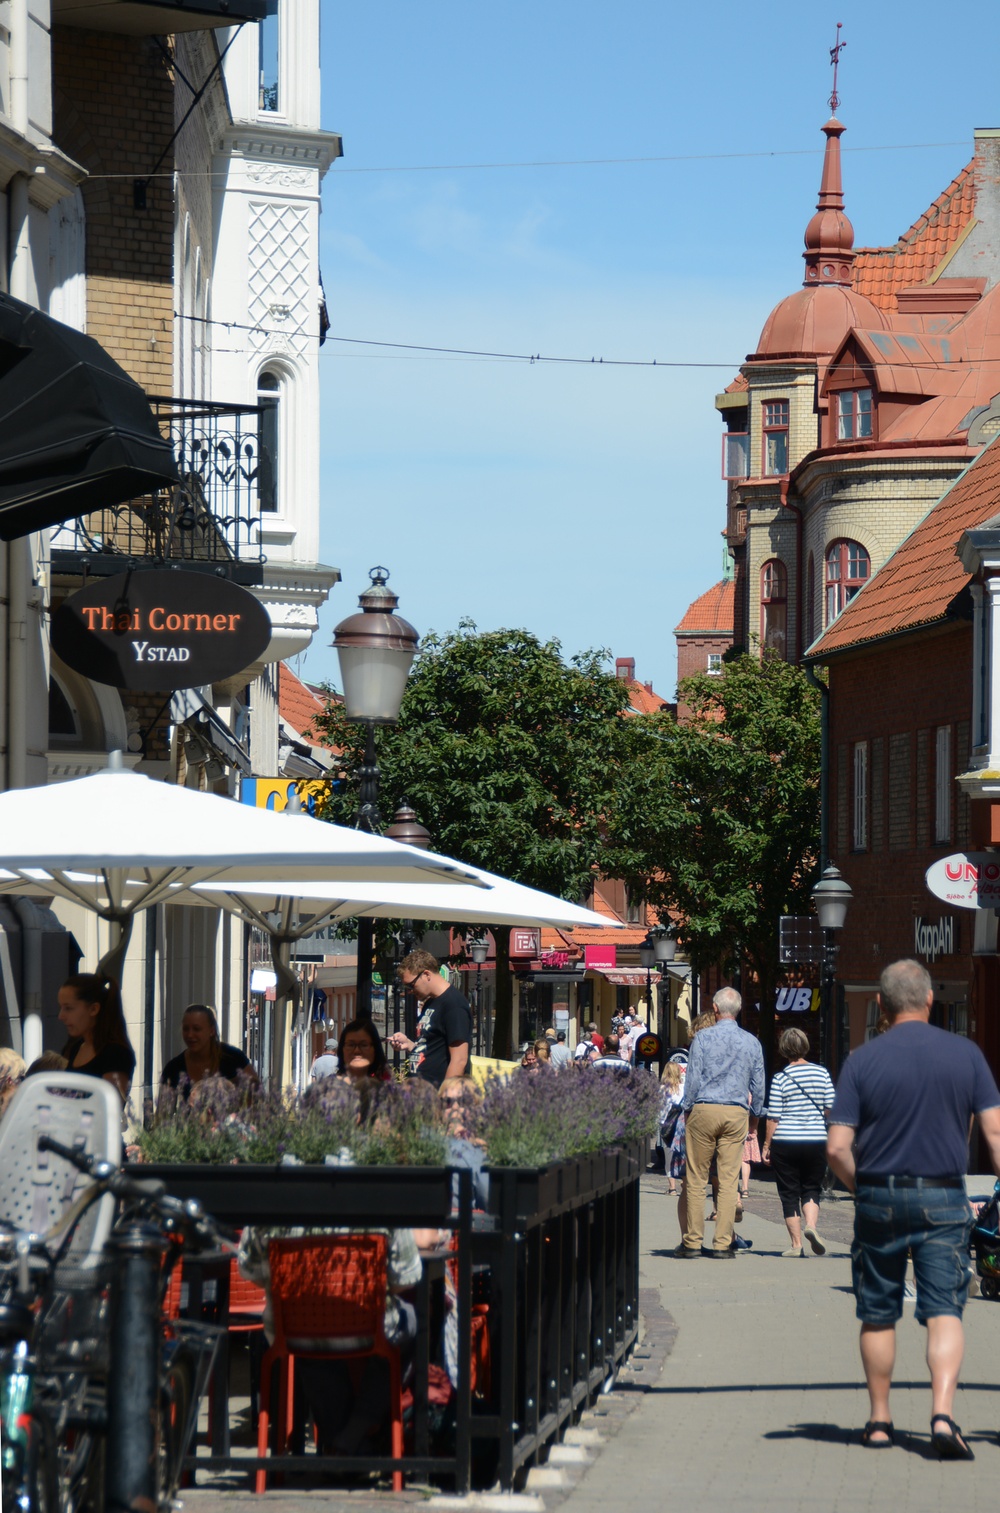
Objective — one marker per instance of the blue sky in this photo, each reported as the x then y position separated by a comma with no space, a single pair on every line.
585,502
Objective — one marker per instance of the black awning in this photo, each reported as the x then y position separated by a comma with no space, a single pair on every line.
76,433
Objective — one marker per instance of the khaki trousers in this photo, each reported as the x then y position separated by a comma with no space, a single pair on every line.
713,1129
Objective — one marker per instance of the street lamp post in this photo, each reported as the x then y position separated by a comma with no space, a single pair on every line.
479,949
831,897
407,830
665,947
376,650
647,956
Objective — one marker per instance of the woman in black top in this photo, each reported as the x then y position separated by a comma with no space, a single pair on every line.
204,1054
90,1008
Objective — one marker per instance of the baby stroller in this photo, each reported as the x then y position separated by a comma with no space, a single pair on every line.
986,1245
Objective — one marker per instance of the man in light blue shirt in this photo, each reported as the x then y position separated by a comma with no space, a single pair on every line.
723,1092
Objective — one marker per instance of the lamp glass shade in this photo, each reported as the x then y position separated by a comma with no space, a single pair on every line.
479,950
665,947
647,953
374,680
831,897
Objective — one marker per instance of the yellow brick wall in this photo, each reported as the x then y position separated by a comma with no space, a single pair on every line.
113,101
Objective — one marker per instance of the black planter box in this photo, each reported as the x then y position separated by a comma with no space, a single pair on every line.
379,1196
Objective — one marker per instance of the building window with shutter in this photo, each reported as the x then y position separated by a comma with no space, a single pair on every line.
773,608
860,829
848,568
775,438
942,783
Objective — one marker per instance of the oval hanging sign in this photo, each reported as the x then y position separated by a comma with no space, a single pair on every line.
160,629
969,879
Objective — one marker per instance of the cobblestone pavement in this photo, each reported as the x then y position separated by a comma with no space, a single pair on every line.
746,1391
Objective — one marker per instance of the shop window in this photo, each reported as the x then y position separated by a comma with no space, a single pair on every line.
848,568
268,94
854,414
860,827
773,607
871,1019
269,400
736,455
942,783
775,437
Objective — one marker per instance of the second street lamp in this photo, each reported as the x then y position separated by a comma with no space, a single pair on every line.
831,897
647,957
665,947
376,650
479,950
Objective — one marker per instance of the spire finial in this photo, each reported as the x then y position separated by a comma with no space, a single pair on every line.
835,53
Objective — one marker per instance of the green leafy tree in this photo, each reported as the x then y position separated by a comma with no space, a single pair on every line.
511,756
725,829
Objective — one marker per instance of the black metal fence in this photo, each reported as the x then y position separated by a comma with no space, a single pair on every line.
554,1258
211,520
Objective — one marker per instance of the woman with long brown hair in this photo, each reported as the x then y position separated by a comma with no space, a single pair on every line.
90,1008
204,1054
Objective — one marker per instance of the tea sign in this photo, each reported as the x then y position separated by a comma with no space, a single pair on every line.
159,629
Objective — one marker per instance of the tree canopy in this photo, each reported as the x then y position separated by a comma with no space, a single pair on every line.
722,826
512,756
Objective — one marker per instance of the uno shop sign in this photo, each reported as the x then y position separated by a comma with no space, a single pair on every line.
161,629
969,879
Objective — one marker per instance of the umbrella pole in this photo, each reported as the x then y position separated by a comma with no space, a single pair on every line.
286,996
113,960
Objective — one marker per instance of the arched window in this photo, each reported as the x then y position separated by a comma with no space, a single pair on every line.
848,568
773,608
268,398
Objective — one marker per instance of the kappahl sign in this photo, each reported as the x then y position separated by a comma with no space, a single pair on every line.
934,937
157,630
967,879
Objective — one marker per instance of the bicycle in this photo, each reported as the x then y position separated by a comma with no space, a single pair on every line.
98,1395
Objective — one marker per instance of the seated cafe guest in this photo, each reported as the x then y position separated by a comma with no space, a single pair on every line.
362,1054
204,1054
90,1010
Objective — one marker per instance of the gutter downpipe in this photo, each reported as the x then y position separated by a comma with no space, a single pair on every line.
19,551
824,692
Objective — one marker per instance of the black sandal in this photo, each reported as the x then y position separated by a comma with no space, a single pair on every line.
878,1426
949,1446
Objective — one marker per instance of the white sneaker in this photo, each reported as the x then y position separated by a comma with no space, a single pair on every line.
818,1248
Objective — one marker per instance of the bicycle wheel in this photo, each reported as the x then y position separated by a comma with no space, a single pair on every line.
177,1410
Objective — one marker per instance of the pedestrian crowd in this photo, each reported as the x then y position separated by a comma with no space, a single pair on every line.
901,1154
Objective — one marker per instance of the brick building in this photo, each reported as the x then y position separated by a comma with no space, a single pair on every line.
869,390
901,660
705,634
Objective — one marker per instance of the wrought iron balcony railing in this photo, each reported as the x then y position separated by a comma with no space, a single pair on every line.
210,521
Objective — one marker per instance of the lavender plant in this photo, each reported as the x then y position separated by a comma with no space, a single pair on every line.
528,1119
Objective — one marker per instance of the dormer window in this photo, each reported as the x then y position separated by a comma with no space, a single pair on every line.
854,414
775,438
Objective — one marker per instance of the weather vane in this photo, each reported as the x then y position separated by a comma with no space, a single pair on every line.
835,53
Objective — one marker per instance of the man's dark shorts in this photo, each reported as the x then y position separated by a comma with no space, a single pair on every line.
930,1221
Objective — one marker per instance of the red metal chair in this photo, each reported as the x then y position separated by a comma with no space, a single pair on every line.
246,1302
328,1296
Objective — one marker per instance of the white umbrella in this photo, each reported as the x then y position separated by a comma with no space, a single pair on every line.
117,842
495,901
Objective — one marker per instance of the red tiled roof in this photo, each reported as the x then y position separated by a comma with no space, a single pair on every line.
593,935
923,575
879,272
739,385
643,700
298,706
711,614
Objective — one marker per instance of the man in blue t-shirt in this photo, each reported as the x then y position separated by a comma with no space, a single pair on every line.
899,1140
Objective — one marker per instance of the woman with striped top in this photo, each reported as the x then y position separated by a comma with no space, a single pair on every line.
795,1139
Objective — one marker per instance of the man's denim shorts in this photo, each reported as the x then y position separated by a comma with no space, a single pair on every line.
930,1222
